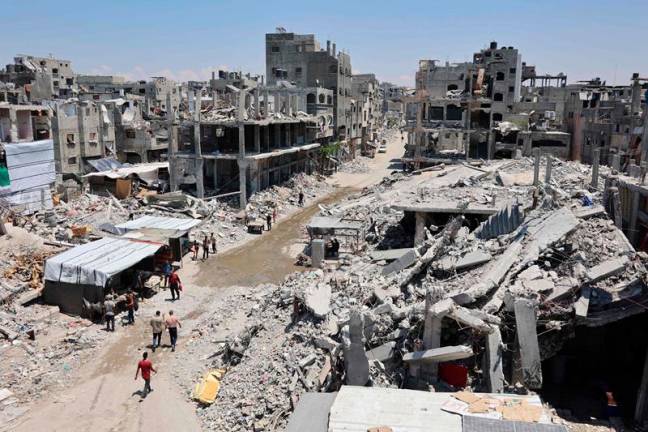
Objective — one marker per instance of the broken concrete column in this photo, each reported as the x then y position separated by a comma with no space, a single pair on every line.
170,120
616,162
356,363
525,320
242,166
595,168
536,166
615,199
317,253
200,187
432,327
257,108
548,169
493,361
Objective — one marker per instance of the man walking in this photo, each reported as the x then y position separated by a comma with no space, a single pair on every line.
205,248
130,307
174,285
172,323
157,325
109,313
301,198
146,367
213,243
269,221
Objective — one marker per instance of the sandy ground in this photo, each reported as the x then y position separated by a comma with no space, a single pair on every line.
103,395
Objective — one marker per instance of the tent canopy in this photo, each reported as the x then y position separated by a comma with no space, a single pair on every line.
95,262
159,222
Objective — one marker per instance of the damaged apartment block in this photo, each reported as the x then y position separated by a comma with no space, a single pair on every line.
247,139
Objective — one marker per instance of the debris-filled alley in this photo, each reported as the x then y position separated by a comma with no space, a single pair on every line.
460,248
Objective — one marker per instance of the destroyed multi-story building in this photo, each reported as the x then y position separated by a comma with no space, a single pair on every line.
481,109
82,131
245,139
608,119
156,92
100,87
300,60
365,92
41,78
137,140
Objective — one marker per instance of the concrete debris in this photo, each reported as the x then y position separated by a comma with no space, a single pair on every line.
356,363
503,222
317,299
606,269
438,355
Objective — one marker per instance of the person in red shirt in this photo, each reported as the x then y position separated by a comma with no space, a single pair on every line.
146,367
175,285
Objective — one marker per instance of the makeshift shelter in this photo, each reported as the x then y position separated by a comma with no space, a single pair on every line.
173,232
119,181
88,270
320,226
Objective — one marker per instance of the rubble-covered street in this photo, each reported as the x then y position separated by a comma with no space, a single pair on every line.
332,217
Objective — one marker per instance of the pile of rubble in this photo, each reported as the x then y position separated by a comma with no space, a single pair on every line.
482,295
359,165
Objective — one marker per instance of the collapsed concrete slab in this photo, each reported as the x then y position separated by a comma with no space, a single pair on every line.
438,355
606,269
403,262
471,259
383,353
503,222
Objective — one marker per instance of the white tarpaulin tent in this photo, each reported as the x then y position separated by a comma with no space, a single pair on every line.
159,222
147,172
95,262
31,173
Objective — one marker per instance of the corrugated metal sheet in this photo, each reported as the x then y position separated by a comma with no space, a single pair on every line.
159,222
105,164
95,262
482,424
31,173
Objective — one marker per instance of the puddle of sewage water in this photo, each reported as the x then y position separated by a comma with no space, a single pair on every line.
263,260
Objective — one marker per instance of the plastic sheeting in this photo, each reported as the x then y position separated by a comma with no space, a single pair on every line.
159,222
96,262
146,172
31,173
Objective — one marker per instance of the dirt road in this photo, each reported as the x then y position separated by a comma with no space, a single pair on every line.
103,396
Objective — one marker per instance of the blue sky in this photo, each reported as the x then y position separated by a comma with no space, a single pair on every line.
187,39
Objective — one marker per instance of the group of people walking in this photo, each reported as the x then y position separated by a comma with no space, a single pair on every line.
161,322
208,244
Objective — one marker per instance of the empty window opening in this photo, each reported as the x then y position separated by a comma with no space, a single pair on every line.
435,113
453,112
